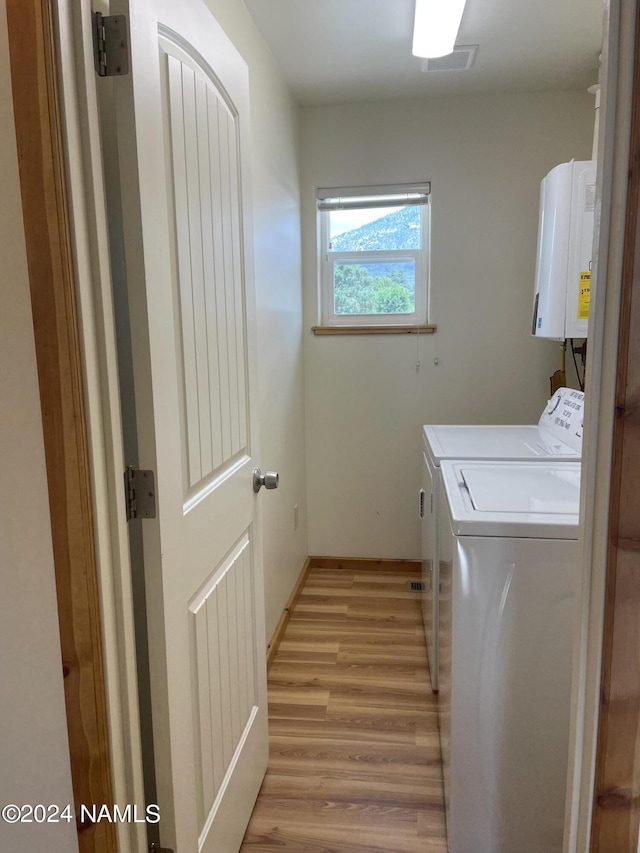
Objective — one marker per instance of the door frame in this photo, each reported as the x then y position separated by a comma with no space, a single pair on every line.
48,244
67,251
597,610
70,280
615,806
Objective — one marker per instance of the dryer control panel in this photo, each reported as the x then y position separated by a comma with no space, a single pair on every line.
563,417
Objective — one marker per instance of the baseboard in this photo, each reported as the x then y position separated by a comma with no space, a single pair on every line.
365,564
278,634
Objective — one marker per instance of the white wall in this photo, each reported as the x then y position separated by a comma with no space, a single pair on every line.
34,752
365,397
274,125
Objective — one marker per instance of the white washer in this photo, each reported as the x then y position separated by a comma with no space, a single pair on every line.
508,565
558,435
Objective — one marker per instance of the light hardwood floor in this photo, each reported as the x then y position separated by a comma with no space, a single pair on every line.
355,758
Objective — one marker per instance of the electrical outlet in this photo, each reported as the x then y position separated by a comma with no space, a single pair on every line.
295,517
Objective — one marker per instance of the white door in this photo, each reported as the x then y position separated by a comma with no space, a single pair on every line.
183,144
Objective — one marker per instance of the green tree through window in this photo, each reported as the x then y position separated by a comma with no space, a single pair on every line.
356,291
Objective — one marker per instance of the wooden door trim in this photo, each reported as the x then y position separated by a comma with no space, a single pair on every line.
58,354
616,799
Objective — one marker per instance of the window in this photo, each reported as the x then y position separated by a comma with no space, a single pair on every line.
374,261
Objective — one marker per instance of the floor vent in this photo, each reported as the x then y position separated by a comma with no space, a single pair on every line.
415,586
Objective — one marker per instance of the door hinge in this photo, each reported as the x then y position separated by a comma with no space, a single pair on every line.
110,45
140,493
154,849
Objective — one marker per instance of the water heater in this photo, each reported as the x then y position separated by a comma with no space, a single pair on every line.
565,249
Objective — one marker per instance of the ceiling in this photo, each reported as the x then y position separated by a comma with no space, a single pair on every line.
336,51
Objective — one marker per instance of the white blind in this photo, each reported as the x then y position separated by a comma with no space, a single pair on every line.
361,198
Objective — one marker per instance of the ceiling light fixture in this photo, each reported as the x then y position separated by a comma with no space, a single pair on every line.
435,27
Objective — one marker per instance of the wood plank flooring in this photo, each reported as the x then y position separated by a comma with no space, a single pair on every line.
355,759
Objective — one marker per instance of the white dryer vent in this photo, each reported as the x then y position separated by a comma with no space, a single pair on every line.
461,59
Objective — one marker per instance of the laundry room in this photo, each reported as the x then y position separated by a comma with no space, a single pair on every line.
306,259
484,148
484,140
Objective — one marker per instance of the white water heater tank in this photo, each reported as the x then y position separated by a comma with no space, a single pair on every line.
565,251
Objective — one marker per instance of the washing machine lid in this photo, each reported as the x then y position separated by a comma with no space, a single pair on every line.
514,499
558,435
494,442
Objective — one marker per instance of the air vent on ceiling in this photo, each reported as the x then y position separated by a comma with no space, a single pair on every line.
461,59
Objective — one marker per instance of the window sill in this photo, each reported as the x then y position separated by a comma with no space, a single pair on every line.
419,329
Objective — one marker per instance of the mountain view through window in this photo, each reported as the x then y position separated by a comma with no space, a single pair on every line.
375,285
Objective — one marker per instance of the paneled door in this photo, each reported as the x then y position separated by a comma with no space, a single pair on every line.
183,146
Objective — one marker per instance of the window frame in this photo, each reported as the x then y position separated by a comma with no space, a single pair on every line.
420,257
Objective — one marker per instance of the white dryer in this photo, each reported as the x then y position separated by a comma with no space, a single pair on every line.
508,566
557,435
